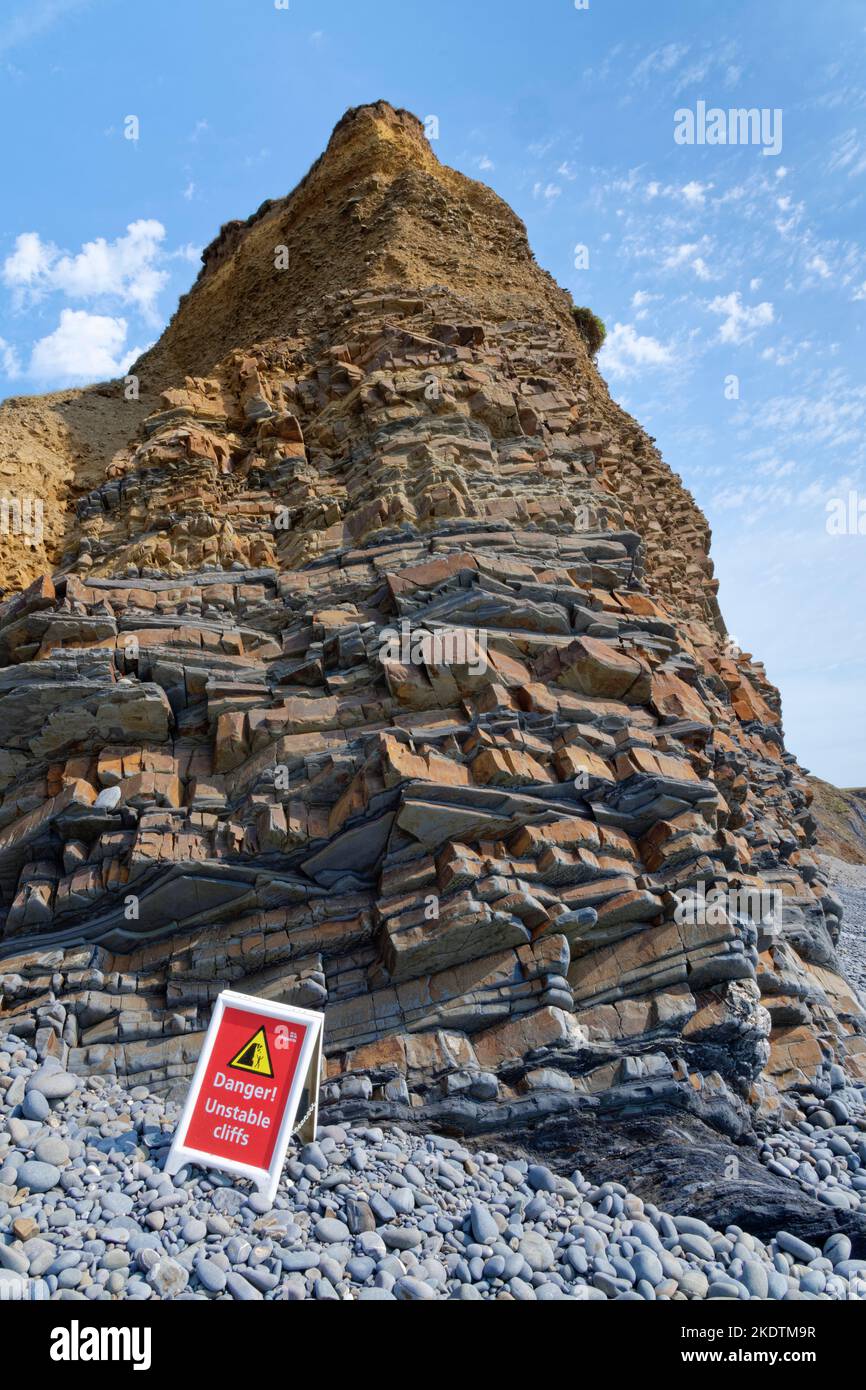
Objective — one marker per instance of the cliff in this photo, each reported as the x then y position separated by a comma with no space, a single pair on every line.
383,672
841,820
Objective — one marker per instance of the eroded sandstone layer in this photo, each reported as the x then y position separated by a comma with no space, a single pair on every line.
234,754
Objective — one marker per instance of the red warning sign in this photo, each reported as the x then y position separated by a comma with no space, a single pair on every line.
248,1080
256,1086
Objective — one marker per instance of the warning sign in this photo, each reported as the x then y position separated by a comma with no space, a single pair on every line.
254,1056
258,1061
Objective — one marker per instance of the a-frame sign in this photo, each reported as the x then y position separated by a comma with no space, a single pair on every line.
258,1071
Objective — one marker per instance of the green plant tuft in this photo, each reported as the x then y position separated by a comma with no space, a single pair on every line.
590,327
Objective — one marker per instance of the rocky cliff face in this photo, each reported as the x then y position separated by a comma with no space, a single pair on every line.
384,673
841,820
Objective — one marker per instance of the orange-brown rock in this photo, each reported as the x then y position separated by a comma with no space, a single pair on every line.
376,665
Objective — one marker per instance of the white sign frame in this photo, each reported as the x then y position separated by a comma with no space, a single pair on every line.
307,1076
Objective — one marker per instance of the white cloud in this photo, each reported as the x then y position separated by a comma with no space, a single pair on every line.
662,59
741,321
547,191
29,263
849,155
627,352
124,269
695,193
35,17
819,266
189,252
640,301
83,347
831,415
686,255
679,255
707,63
9,363
691,76
786,352
775,467
792,216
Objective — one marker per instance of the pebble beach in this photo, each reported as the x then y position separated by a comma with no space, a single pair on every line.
86,1213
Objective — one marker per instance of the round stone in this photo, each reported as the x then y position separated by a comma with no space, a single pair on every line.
330,1231
53,1150
35,1106
541,1179
410,1290
536,1251
168,1278
211,1276
38,1176
54,1085
483,1224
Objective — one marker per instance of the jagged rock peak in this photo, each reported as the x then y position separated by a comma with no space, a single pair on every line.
376,208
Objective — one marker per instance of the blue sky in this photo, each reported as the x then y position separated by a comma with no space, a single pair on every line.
708,262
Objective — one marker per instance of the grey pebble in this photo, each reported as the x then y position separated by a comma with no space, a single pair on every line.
37,1176
240,1288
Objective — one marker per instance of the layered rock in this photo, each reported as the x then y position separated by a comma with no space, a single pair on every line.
384,673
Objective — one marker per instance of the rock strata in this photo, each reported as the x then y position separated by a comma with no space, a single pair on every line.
384,674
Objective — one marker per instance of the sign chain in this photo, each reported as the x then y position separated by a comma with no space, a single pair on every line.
300,1125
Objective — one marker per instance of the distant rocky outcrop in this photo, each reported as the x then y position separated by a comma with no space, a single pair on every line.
840,817
384,673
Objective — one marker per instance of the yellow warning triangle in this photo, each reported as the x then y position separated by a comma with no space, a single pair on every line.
254,1056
